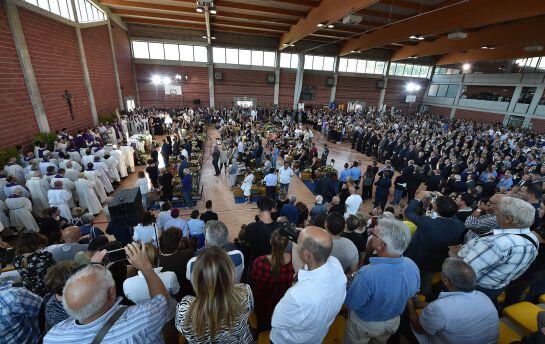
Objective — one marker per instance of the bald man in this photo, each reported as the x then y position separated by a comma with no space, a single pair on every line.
70,235
308,308
90,299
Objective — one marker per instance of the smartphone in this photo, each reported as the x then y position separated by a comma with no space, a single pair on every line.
114,256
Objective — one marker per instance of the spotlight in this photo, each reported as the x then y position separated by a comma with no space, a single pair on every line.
204,36
212,37
466,67
200,9
178,77
166,80
292,45
416,37
486,47
411,87
213,10
353,51
186,77
330,26
320,25
156,79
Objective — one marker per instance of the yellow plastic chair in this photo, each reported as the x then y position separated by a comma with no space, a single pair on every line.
501,298
507,335
524,315
542,299
336,331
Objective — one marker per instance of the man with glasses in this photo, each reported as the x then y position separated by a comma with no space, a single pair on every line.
380,290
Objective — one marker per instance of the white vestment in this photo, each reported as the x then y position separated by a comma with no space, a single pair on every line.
128,155
20,213
113,173
75,165
3,183
111,136
60,199
87,197
44,165
71,174
9,189
247,185
67,185
86,159
121,166
94,176
104,178
75,155
16,171
38,190
4,219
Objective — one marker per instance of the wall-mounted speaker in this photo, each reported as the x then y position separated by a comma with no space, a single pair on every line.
380,84
218,75
196,101
270,79
329,82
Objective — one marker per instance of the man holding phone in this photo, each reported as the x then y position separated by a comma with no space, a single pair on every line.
95,314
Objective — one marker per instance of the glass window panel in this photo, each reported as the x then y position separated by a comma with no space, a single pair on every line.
269,58
342,64
200,54
360,68
392,69
54,5
533,62
379,67
140,50
34,2
318,63
294,60
416,71
171,52
82,13
424,71
156,51
442,90
308,61
285,60
43,4
329,63
433,90
541,64
231,56
186,52
257,58
63,7
219,55
245,57
408,70
399,69
89,10
452,90
370,67
352,65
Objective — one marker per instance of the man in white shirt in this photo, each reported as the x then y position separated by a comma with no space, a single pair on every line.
270,183
309,307
353,202
285,177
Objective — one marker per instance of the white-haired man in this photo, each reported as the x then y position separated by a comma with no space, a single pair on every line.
504,255
89,297
380,290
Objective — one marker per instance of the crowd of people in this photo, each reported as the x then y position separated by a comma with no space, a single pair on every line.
455,199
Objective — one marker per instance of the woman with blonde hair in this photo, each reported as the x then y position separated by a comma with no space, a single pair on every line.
219,311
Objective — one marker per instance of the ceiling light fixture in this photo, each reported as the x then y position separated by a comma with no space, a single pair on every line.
330,26
212,37
533,48
200,9
416,37
178,77
156,79
411,87
466,67
212,10
487,47
320,25
204,36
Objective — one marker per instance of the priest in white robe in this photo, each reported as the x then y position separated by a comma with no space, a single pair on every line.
94,176
20,212
4,219
3,183
15,170
38,188
58,197
102,167
70,172
87,158
113,173
12,185
121,166
111,135
87,197
128,155
44,164
75,165
67,185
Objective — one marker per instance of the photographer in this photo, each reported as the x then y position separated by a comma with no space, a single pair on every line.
434,234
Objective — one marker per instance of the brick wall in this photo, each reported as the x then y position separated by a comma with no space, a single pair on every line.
478,116
396,94
439,110
124,60
538,125
243,83
322,92
196,87
101,70
17,121
55,57
357,88
287,86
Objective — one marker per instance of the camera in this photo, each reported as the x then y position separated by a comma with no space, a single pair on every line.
115,256
289,231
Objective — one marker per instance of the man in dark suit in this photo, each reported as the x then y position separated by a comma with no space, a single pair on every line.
435,181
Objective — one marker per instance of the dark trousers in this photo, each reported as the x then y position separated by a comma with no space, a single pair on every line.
381,201
367,192
492,294
271,192
216,166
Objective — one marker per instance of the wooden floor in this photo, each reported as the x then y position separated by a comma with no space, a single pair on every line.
217,188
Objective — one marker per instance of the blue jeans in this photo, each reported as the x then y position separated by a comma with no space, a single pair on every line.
398,195
187,198
284,187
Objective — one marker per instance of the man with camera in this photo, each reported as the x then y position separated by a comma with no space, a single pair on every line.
436,230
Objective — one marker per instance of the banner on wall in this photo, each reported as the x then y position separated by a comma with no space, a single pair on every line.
411,98
173,90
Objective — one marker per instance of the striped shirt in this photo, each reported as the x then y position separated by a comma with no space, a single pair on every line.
501,257
19,315
139,324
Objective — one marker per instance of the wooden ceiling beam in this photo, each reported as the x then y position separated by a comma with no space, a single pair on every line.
500,53
464,15
380,14
229,6
328,11
408,5
309,3
525,31
160,8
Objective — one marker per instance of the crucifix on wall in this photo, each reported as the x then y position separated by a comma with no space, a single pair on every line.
68,96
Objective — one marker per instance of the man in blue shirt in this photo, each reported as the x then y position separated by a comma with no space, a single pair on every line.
183,165
344,173
187,185
355,173
380,290
290,211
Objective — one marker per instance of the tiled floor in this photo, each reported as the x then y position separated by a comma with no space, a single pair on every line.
218,190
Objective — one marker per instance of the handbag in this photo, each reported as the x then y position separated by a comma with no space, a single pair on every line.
108,325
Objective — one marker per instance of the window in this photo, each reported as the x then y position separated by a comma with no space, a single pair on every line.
379,67
319,62
200,54
442,90
452,91
526,95
172,52
352,66
87,11
342,65
186,52
245,57
231,56
370,67
433,90
285,60
61,8
257,58
329,63
408,70
308,61
405,69
140,50
360,68
269,58
156,51
219,55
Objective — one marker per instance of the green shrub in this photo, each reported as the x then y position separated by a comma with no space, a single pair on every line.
107,117
7,153
48,138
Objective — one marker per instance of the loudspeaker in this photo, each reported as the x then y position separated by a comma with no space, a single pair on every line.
126,207
218,75
196,101
329,82
270,79
380,84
